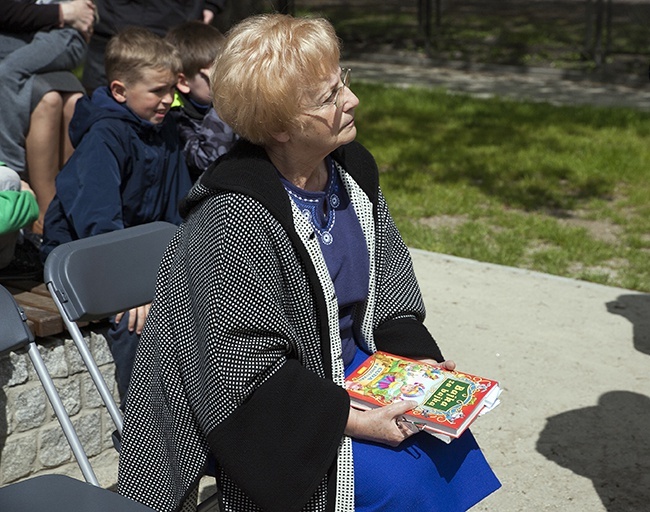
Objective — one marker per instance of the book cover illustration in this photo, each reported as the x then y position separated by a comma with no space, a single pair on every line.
448,401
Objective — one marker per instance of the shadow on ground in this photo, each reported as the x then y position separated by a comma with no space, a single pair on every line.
609,444
636,308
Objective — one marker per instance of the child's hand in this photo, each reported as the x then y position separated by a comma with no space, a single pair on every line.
137,318
24,187
208,16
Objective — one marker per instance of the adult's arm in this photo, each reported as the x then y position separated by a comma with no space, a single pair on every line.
397,302
278,424
399,311
28,17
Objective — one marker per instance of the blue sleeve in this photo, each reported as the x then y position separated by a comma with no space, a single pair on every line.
89,185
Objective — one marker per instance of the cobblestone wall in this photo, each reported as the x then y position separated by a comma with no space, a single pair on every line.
31,439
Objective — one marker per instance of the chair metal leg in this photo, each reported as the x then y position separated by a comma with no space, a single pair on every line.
61,414
89,361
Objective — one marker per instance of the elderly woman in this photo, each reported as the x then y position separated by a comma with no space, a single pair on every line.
286,273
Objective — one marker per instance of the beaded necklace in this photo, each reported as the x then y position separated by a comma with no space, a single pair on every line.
319,208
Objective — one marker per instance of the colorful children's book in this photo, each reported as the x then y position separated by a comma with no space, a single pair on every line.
448,401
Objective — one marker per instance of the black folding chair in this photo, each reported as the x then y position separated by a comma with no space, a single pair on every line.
52,493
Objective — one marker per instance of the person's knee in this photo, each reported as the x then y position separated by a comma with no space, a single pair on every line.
51,103
9,179
69,102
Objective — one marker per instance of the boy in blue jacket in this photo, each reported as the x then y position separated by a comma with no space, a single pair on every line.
127,167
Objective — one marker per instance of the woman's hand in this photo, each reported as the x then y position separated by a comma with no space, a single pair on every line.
447,365
137,318
380,425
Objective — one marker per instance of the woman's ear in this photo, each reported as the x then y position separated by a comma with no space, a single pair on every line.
281,136
118,90
182,84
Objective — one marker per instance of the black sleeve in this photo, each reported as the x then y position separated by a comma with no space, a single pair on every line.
407,337
280,444
28,17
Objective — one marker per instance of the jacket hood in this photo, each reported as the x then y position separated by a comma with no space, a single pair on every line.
102,105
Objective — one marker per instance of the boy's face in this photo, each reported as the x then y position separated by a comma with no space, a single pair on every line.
199,86
150,97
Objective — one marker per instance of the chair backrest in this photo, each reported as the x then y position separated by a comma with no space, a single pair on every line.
99,276
14,333
59,493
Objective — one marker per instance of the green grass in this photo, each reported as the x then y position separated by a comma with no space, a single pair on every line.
562,190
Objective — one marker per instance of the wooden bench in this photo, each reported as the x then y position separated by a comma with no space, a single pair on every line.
43,317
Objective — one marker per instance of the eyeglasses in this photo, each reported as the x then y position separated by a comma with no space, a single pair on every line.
333,99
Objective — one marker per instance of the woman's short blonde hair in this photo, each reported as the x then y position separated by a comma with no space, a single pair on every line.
269,66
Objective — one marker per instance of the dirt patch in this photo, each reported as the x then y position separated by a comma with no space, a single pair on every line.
602,230
444,221
610,269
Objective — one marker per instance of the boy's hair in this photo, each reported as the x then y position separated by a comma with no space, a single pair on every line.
135,49
197,43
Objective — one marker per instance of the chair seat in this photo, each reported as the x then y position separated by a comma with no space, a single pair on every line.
59,493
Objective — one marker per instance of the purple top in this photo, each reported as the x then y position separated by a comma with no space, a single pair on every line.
343,245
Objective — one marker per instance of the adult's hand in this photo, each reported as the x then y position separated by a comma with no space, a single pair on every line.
80,15
381,425
447,365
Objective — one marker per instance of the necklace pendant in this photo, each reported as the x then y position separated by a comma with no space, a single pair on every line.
327,238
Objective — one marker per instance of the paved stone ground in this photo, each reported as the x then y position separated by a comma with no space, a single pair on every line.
535,84
571,433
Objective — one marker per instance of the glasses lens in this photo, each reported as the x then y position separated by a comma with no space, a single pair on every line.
345,78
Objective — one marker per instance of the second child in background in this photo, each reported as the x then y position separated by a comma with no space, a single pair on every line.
204,136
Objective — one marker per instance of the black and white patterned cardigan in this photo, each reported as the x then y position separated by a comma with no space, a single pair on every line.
241,354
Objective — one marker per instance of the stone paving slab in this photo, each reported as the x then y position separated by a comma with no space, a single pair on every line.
534,84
